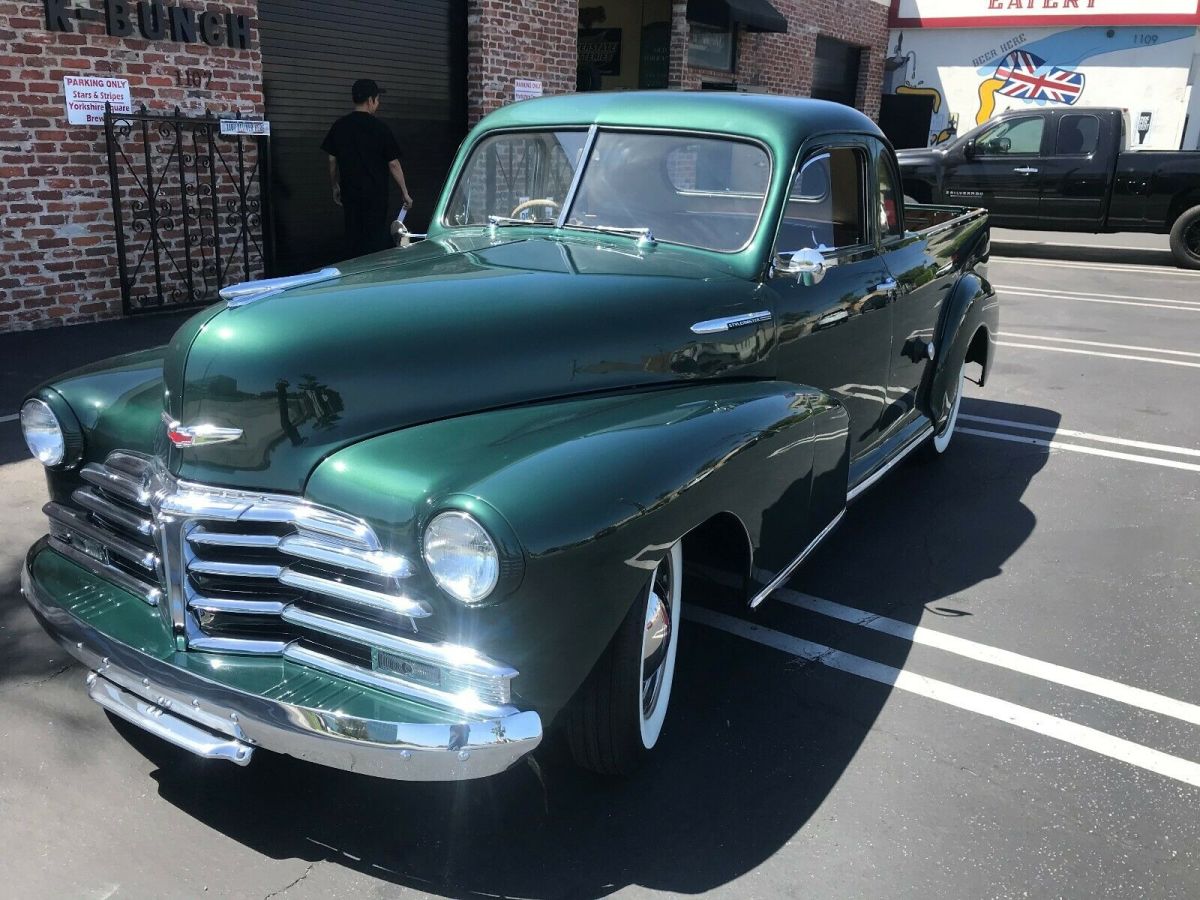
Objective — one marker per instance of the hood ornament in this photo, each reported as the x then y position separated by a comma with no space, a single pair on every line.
181,435
236,295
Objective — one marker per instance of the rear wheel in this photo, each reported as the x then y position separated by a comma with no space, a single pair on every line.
1185,239
939,443
618,716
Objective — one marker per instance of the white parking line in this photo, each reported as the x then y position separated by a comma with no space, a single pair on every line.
1062,340
1054,292
1002,710
1021,293
1079,448
1078,352
1005,659
1098,438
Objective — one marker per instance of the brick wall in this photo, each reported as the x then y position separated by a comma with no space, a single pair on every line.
58,263
510,39
783,63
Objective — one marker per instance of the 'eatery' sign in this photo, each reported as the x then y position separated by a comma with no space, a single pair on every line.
155,21
1004,13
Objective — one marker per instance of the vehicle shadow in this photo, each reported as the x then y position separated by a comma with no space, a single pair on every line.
755,742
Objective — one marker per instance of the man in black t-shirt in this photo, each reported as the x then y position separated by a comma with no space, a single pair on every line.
362,155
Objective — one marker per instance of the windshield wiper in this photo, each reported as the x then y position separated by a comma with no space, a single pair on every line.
644,235
509,220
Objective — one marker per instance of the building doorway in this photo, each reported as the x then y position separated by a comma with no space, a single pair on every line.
312,52
624,45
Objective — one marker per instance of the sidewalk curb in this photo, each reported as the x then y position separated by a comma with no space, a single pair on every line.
1142,256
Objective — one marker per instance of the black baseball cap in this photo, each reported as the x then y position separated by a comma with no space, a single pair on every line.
364,89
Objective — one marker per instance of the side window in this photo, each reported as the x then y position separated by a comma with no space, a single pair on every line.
889,206
826,208
1077,135
1016,137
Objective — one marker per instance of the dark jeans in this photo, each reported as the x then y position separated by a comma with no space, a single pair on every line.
367,226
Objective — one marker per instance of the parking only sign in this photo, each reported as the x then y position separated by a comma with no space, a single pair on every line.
86,95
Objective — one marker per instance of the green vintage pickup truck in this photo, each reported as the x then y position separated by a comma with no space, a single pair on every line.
403,515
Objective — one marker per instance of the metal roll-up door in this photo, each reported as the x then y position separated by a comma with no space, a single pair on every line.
835,71
312,52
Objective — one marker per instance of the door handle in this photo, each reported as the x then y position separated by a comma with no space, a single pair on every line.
890,287
1026,170
837,317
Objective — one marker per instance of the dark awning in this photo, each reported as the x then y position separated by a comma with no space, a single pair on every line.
754,15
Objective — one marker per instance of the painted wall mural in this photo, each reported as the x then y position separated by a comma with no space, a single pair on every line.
973,74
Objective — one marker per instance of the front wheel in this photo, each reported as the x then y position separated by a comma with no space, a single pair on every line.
1185,239
618,715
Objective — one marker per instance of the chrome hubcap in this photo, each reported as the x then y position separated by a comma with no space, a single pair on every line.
656,636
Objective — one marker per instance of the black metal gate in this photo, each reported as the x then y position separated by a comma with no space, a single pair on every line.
191,208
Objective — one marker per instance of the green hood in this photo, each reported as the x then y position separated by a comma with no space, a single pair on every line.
448,327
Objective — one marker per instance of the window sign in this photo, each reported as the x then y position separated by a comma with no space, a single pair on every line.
710,48
85,97
600,48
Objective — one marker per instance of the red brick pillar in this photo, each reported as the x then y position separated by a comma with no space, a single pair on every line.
511,39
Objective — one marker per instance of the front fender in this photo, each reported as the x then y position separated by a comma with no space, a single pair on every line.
118,403
972,313
594,491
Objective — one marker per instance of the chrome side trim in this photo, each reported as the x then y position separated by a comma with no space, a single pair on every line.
890,464
374,600
236,295
126,582
718,326
454,656
464,704
172,729
453,748
795,564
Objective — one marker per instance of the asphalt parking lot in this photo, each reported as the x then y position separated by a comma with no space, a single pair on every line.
984,684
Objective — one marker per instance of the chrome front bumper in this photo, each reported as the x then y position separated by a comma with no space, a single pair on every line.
219,722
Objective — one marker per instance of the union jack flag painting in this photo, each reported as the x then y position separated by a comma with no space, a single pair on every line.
1027,77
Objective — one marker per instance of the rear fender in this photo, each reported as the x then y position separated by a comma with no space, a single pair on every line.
593,492
966,331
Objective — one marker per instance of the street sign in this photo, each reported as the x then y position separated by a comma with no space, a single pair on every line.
85,96
245,127
526,89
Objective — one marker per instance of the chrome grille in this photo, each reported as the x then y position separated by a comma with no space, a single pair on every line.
242,572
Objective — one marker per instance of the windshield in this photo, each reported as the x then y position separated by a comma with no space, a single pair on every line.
683,189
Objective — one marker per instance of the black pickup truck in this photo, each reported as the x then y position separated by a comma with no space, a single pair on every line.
1065,169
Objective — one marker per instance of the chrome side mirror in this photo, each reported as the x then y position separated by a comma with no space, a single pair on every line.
808,265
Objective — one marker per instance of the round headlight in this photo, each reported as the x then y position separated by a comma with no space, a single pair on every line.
461,556
43,434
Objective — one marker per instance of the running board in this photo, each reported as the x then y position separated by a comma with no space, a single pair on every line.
795,564
891,463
